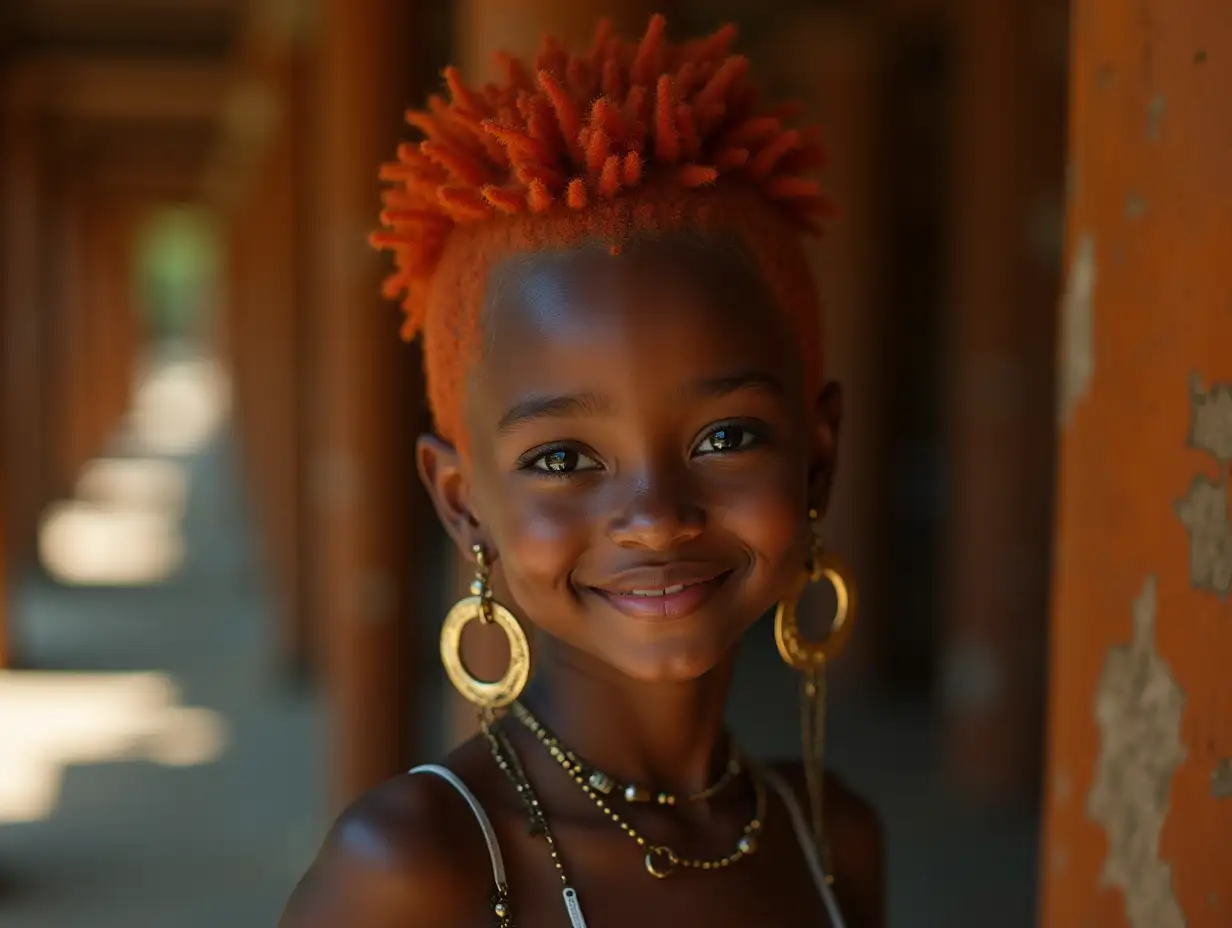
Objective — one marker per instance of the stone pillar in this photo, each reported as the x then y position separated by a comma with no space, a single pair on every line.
363,394
1139,788
1004,277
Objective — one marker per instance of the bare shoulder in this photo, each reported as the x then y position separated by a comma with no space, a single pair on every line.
857,841
407,853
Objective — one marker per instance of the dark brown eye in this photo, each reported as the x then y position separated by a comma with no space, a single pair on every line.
563,461
560,461
726,438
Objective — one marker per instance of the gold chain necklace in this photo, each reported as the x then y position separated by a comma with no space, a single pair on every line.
507,759
631,793
661,860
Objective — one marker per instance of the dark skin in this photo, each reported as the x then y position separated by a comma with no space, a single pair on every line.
636,422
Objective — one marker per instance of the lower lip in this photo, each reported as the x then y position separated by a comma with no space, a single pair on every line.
671,606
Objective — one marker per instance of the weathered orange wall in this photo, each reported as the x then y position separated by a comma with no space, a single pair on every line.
1139,794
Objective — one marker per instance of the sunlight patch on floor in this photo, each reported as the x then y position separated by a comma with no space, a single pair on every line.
87,543
180,405
54,720
123,525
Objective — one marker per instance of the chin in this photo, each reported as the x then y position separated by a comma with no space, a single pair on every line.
680,661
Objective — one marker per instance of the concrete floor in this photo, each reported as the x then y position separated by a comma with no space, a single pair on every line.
136,842
133,842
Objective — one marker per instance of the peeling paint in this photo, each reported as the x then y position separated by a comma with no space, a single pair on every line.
1135,206
1221,779
1204,509
1204,513
1077,367
1138,707
1210,424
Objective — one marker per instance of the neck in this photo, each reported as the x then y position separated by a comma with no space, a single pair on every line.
666,736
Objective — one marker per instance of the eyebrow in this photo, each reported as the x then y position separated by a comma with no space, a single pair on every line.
573,405
716,387
565,406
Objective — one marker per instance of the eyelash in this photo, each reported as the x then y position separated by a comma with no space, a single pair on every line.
756,433
529,460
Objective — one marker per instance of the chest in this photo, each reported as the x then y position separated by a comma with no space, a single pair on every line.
771,888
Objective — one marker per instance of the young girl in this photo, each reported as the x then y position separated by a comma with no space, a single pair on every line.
633,446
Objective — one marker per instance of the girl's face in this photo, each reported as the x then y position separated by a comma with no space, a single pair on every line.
643,457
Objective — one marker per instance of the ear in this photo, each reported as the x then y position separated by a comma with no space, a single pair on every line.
827,416
440,469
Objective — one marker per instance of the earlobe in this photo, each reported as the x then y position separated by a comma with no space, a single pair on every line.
827,418
440,469
830,406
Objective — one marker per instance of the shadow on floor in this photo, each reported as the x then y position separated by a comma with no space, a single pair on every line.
190,791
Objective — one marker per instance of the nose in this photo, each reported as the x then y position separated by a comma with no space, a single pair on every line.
657,516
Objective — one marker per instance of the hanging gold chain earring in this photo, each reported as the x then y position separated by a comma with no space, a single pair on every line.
810,659
486,696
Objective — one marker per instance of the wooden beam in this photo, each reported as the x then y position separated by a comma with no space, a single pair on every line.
128,89
23,416
363,461
999,359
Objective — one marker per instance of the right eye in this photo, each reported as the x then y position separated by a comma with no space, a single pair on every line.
561,461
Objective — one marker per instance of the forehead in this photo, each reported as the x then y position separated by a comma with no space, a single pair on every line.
640,325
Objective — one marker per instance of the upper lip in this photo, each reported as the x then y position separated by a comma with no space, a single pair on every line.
661,576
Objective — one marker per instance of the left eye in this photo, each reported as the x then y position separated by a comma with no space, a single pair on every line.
563,461
726,438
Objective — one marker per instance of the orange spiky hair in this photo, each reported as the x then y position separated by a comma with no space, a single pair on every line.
630,139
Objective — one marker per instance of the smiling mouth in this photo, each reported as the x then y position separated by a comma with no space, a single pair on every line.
669,591
673,602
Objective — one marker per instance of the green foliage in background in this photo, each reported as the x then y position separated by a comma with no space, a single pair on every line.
177,271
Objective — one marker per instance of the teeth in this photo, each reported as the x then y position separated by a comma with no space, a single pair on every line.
667,592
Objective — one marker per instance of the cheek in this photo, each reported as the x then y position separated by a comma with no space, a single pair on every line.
541,536
770,517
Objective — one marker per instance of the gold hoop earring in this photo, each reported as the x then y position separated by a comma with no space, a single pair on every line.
486,695
810,658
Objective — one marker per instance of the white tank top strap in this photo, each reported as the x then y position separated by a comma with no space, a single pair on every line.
572,905
804,835
485,824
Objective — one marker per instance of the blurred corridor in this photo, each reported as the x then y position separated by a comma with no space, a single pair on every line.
221,585
153,770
